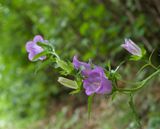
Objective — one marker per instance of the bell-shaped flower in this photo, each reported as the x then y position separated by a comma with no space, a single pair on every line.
132,48
33,48
95,80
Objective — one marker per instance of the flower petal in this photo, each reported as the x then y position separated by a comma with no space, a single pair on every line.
89,86
29,46
97,82
78,64
31,56
38,38
131,47
106,86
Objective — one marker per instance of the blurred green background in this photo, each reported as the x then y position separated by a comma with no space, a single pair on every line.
93,29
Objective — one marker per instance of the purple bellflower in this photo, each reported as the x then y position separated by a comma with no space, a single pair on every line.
95,80
33,49
132,48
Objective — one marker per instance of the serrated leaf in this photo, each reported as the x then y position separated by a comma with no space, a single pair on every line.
68,83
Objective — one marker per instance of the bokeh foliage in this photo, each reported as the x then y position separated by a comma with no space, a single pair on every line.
90,28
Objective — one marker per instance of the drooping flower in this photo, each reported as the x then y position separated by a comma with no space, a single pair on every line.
33,48
132,48
95,80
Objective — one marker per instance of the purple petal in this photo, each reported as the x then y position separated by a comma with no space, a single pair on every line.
29,46
106,86
86,72
33,48
89,92
38,38
97,82
133,44
131,47
78,64
93,80
92,83
90,87
31,56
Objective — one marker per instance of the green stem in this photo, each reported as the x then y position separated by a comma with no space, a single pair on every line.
90,100
150,61
143,68
146,65
153,66
55,54
133,109
141,85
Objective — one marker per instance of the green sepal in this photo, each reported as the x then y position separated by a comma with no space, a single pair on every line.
136,58
114,94
41,65
75,91
68,83
43,53
45,45
66,67
143,51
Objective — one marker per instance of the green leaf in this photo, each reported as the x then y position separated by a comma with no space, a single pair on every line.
114,95
75,91
41,65
67,67
43,53
135,58
45,45
143,51
68,83
109,65
90,99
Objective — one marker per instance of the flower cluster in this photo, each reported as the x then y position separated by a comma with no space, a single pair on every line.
94,77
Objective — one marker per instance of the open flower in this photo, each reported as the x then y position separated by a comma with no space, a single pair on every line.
95,80
33,49
132,48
